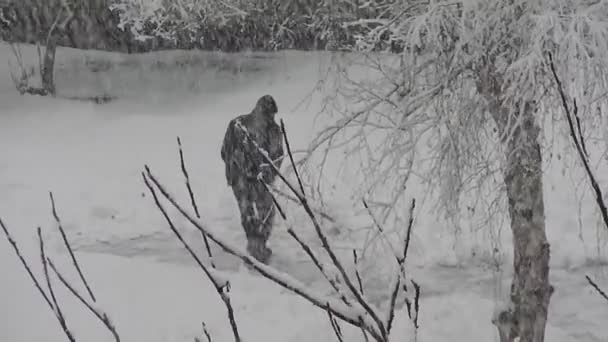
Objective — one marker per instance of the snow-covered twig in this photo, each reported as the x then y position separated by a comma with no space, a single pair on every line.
56,308
102,316
293,163
393,302
220,286
400,277
52,302
416,304
579,143
293,199
319,265
335,326
408,236
27,267
206,332
596,287
69,248
315,260
319,231
357,274
354,315
192,200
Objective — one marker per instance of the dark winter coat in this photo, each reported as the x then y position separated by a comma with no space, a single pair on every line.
242,158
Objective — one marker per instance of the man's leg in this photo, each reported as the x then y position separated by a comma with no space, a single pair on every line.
253,212
265,210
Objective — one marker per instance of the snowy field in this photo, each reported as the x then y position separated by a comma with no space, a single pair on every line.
91,156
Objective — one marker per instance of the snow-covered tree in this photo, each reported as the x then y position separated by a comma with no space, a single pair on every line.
238,24
471,93
51,23
169,19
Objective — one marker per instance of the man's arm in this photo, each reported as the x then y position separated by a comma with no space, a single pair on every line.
231,154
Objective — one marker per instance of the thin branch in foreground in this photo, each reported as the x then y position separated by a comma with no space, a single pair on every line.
102,316
56,308
357,274
306,248
335,326
599,197
192,200
379,228
364,333
324,241
416,303
274,200
206,332
295,200
69,247
393,303
52,305
293,164
596,287
353,316
25,264
579,128
408,235
217,284
319,265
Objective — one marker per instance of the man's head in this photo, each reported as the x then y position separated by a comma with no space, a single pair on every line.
266,106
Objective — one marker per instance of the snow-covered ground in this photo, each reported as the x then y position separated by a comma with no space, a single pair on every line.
91,156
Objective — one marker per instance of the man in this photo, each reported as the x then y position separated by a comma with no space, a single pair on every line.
247,171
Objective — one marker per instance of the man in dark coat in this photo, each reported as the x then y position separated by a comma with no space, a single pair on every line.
247,171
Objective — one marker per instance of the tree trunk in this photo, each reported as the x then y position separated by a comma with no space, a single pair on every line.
530,289
48,64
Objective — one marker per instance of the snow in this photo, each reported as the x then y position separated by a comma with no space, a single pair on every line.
92,156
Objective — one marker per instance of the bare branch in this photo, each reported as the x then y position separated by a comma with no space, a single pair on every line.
69,248
307,248
319,265
380,230
56,308
102,316
192,200
206,332
392,303
335,325
409,233
295,200
347,314
416,303
293,164
218,285
599,198
579,128
597,288
25,264
324,241
356,262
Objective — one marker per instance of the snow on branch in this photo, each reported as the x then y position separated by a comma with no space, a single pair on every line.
147,19
192,199
597,288
318,230
351,315
578,140
51,300
221,285
351,308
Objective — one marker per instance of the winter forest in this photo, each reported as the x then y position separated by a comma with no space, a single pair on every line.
303,170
